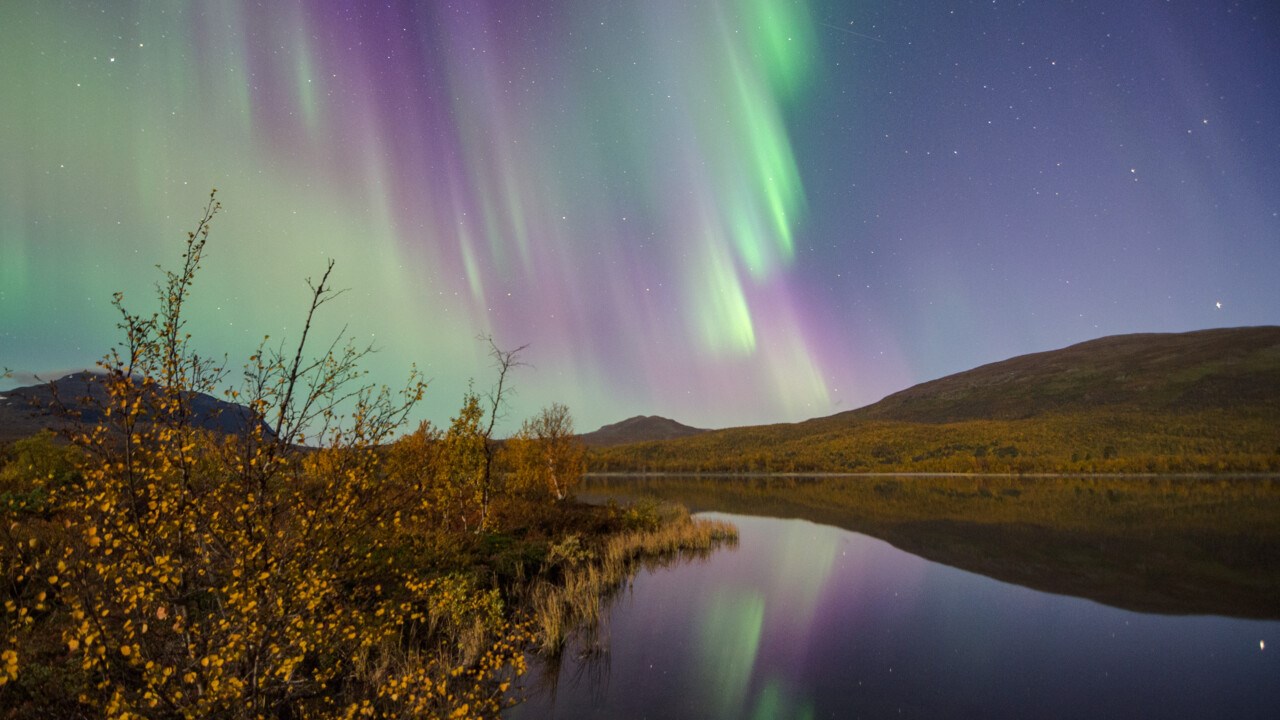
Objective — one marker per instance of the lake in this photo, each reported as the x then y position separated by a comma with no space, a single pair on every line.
807,620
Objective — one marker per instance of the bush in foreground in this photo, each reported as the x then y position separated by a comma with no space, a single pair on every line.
157,569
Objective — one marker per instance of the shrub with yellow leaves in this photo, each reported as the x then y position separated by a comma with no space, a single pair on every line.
189,574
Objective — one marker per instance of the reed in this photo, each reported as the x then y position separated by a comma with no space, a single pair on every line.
577,601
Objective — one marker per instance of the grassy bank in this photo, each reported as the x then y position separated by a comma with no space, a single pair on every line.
587,576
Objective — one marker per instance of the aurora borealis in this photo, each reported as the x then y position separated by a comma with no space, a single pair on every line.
726,211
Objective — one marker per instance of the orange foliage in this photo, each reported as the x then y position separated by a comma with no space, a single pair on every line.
185,574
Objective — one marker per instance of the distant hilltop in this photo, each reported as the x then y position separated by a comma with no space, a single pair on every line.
1226,368
25,411
641,428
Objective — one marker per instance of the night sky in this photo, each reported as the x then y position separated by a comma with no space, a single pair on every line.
726,212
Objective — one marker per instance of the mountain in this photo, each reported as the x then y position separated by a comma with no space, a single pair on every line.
25,411
641,428
1199,401
1223,368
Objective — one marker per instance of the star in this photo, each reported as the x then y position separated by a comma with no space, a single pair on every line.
1218,304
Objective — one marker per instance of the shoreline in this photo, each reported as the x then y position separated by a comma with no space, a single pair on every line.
881,474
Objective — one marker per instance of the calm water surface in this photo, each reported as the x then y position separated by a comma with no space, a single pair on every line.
810,621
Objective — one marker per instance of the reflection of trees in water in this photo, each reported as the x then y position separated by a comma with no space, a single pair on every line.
587,649
1176,545
586,646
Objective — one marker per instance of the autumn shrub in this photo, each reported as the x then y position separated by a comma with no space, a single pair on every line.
32,468
546,458
186,574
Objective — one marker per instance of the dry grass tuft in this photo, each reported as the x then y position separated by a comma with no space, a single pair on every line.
577,601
